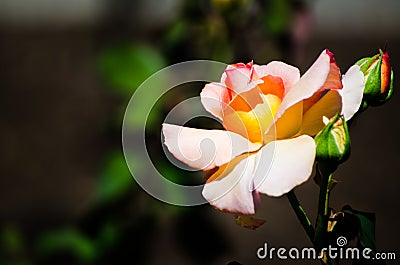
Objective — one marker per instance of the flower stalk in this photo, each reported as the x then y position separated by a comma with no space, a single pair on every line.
301,215
321,226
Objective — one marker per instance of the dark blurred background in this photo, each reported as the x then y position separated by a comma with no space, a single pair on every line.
67,71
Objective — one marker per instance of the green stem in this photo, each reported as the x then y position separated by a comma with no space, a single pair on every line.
323,213
301,215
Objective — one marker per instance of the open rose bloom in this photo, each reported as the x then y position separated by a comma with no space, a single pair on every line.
270,115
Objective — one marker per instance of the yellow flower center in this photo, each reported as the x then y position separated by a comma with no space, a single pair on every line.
251,113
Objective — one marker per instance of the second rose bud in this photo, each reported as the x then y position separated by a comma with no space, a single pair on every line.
378,79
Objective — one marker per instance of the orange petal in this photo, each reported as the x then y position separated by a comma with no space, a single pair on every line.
289,74
272,85
245,101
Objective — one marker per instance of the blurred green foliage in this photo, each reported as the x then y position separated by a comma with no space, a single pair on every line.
115,179
12,246
124,67
12,239
67,240
277,17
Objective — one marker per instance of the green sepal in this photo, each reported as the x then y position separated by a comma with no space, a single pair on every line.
390,92
373,85
362,61
366,63
331,184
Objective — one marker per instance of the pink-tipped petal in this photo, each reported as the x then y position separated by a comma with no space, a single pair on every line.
214,98
334,78
231,189
237,77
289,74
309,83
283,165
352,92
205,149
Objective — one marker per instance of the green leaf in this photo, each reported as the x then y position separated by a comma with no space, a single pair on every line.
367,227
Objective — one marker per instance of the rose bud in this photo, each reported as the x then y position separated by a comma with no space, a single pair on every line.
333,144
378,79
